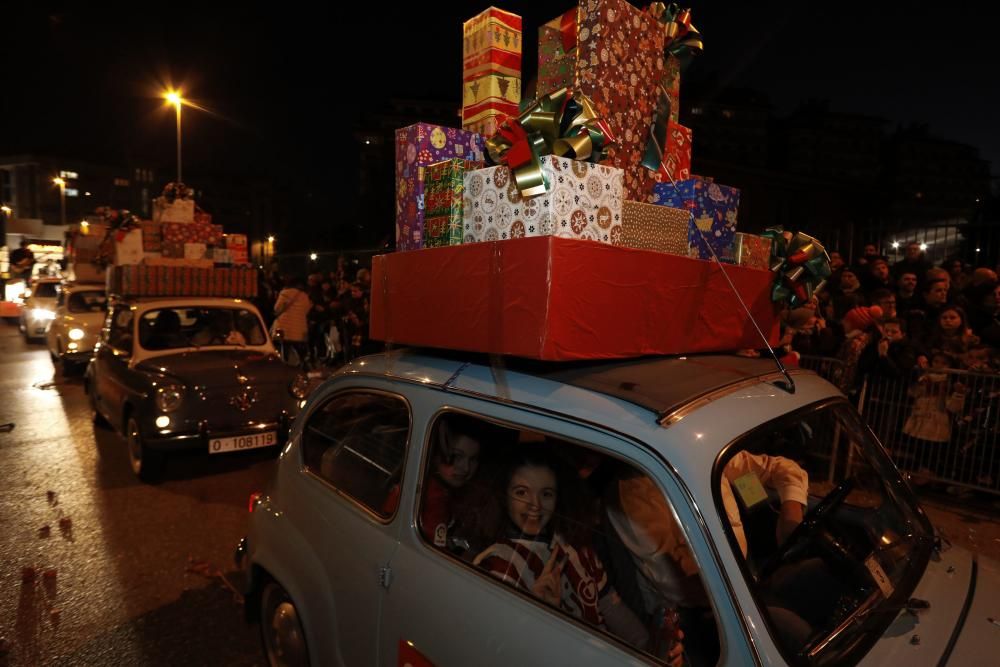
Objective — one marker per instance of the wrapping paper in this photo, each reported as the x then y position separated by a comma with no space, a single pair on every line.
584,202
714,208
752,251
418,146
491,69
147,280
562,299
651,227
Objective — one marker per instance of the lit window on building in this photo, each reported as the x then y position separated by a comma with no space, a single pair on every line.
72,192
68,174
122,182
696,111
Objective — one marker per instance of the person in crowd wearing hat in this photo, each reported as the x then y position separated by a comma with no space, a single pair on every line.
859,326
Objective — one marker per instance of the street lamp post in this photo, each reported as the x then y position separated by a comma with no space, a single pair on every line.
62,199
174,97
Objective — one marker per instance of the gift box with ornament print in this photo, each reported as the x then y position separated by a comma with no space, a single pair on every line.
752,251
557,53
652,227
714,208
583,201
418,146
491,69
619,66
443,193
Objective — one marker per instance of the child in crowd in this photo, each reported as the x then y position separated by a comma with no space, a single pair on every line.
951,333
928,427
890,354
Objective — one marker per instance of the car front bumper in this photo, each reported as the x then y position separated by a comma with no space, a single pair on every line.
171,441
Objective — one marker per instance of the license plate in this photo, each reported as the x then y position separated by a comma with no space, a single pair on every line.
241,442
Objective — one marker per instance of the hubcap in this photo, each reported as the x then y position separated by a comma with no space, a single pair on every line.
134,447
285,645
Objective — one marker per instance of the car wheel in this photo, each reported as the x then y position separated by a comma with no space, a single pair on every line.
88,388
146,464
280,628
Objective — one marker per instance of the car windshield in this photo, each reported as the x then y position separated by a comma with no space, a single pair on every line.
830,585
87,302
186,326
46,290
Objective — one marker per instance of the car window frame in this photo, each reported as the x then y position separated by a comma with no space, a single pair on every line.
599,432
113,311
350,499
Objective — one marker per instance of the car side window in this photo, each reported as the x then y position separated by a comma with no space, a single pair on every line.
120,334
588,534
356,441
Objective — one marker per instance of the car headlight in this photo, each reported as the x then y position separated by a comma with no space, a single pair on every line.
169,397
76,334
43,314
300,386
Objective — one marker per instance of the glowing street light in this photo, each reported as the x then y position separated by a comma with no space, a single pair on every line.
895,244
313,256
7,210
923,246
174,97
62,199
270,239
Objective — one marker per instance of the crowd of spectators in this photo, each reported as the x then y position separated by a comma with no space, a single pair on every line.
322,316
891,320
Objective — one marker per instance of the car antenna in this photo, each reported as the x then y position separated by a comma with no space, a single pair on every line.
787,385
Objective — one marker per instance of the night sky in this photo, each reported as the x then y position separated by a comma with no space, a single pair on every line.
285,90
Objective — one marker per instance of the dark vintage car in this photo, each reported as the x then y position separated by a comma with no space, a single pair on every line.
190,373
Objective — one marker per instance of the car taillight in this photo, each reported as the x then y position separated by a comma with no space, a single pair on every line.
254,501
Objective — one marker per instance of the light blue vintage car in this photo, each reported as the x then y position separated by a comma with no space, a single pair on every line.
657,485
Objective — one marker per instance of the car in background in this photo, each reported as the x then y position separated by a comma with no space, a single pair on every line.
181,373
343,568
79,317
39,308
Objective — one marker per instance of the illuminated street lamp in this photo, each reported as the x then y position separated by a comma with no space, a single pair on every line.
313,256
62,199
174,97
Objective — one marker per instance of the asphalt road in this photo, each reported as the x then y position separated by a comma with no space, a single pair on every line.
95,567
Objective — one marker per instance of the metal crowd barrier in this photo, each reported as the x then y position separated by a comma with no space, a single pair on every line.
940,426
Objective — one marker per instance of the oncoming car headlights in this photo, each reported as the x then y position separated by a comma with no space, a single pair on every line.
76,334
300,386
169,397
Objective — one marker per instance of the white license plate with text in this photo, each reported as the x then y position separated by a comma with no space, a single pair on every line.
241,442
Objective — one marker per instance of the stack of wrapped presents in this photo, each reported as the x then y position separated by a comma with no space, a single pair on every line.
570,226
178,253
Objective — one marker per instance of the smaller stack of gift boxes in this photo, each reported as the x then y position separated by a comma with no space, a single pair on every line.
447,195
178,253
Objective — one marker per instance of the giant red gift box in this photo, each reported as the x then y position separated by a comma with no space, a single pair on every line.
562,299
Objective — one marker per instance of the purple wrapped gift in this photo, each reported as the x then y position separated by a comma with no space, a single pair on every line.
417,146
713,213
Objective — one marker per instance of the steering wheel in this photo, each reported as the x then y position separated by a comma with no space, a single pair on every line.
810,528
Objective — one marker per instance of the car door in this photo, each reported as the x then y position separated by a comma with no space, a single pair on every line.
440,609
354,446
110,375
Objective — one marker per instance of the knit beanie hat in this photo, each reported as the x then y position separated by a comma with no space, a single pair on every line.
861,318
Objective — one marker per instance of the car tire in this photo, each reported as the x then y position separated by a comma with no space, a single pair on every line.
88,388
280,629
146,464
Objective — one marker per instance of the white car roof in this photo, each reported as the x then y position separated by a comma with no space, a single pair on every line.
663,401
152,303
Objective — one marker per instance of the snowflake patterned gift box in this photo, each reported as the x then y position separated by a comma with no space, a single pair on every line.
713,208
583,201
418,146
443,188
491,69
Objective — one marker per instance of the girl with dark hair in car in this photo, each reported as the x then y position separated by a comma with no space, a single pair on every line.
543,544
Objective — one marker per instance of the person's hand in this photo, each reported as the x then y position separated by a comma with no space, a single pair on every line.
675,656
789,517
883,347
548,585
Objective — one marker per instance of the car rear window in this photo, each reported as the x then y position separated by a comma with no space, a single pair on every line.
87,302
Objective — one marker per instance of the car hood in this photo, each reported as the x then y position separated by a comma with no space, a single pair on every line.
964,595
221,368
